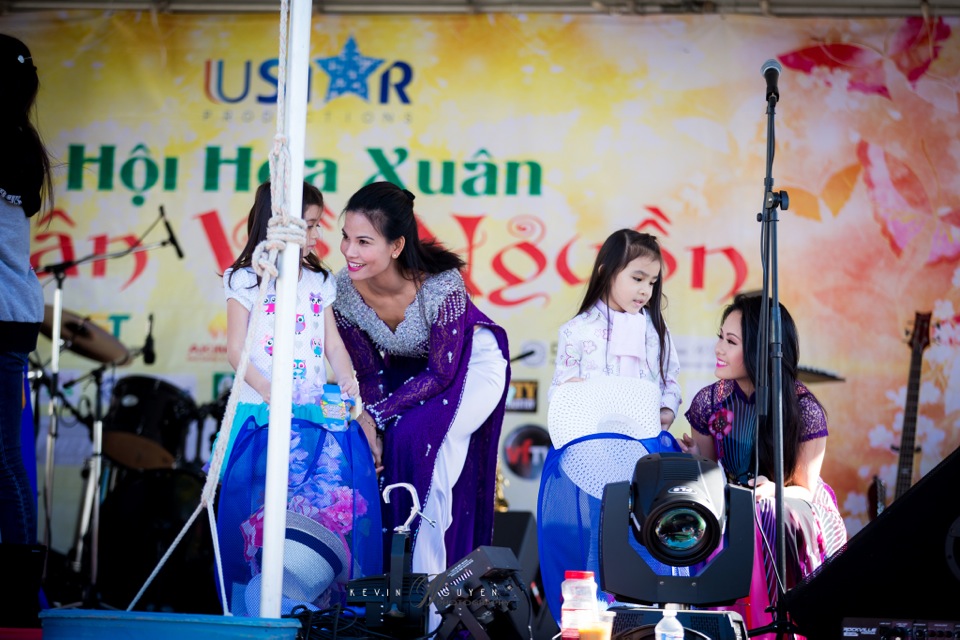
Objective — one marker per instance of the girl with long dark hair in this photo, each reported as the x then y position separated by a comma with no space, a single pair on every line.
332,491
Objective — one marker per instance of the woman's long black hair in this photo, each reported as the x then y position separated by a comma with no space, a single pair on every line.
749,307
20,82
389,209
619,250
259,218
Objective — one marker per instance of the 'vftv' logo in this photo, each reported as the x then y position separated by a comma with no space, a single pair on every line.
349,72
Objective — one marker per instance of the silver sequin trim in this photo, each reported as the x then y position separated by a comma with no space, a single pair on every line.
443,295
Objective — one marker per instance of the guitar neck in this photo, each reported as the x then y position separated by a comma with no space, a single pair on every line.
908,437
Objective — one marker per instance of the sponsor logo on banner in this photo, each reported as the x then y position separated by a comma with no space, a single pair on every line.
222,383
526,449
214,349
522,396
380,82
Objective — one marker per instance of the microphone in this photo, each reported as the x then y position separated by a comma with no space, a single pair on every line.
173,238
771,71
522,356
149,355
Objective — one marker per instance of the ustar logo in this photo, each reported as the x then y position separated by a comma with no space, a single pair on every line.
348,73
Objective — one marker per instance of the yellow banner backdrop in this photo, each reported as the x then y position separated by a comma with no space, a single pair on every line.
528,139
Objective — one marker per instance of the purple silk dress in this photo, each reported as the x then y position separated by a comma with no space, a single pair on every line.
813,530
411,381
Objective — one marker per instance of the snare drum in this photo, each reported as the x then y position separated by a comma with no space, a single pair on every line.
147,423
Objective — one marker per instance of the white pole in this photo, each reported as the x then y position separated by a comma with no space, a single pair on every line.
281,392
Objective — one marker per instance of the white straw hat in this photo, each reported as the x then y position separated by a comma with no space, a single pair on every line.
313,559
606,404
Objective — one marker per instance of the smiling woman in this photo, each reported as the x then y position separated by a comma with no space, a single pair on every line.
433,373
725,429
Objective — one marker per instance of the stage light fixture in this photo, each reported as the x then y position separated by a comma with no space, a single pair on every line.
678,508
483,594
682,510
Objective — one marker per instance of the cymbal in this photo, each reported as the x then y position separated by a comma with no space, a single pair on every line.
811,375
85,338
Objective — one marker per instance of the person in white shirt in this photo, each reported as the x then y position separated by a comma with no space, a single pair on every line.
619,332
619,329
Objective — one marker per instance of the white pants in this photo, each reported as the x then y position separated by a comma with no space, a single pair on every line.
483,388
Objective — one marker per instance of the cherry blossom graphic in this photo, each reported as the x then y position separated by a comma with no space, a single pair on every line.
911,49
903,208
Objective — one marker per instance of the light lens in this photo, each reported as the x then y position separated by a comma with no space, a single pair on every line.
681,530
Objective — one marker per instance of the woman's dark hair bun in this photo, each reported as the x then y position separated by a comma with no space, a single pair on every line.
410,195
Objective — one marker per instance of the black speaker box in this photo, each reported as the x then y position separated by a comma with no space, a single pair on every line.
20,594
517,530
903,565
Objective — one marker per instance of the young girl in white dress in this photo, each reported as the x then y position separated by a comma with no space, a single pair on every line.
333,514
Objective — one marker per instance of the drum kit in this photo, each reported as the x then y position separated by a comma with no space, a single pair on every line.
139,489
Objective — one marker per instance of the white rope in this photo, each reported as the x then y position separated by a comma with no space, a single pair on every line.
281,230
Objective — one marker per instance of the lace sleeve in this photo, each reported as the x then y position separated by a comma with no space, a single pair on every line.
443,361
367,361
699,412
813,419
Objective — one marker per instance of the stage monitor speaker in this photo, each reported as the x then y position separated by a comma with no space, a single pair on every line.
517,530
20,594
903,565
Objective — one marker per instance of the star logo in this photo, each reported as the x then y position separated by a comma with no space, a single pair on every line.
348,71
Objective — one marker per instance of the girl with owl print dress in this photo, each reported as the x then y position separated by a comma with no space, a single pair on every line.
332,499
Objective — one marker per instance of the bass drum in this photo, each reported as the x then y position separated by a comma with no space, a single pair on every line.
146,425
139,519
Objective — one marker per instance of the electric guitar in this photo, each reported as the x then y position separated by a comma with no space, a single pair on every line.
877,493
919,340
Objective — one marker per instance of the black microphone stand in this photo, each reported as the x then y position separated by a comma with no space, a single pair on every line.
769,366
59,272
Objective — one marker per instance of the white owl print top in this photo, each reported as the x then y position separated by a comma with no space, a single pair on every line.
314,292
583,352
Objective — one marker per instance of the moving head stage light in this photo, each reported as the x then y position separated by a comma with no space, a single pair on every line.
680,508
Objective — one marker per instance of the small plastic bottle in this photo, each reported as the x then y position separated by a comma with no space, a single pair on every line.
579,606
669,628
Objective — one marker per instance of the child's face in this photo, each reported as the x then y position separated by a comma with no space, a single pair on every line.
729,352
367,252
312,218
633,286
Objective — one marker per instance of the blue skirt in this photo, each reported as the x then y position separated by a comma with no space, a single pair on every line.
569,504
333,511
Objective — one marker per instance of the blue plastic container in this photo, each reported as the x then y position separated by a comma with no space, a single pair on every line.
81,624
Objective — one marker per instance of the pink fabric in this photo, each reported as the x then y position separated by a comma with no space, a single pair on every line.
626,341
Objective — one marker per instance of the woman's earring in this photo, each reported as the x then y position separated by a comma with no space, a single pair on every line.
394,256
